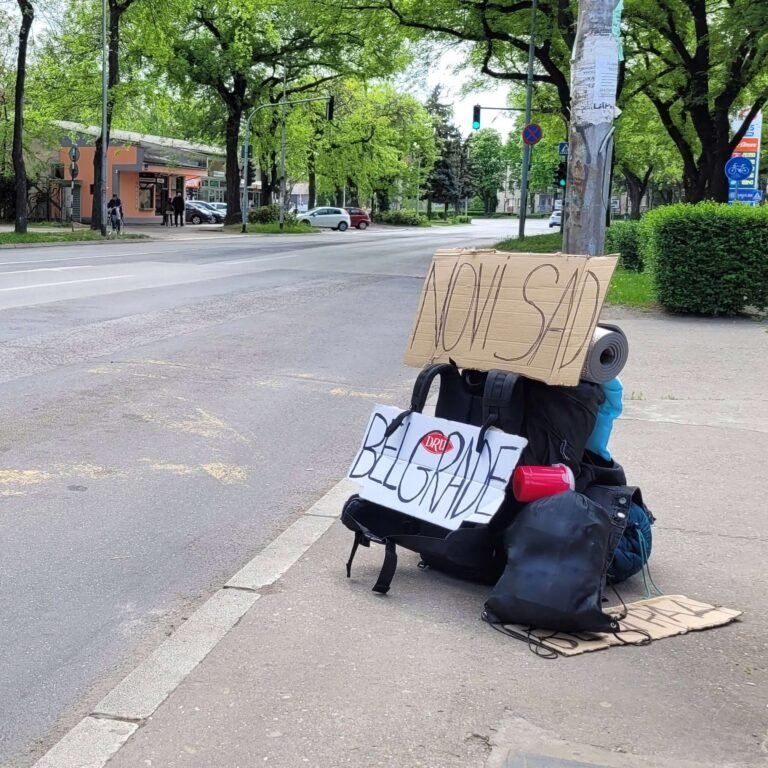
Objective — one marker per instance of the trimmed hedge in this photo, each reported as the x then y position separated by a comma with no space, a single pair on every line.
266,214
403,218
624,238
708,258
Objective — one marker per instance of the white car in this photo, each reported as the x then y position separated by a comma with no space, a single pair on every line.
555,219
331,218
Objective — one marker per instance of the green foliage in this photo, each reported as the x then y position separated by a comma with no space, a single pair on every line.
11,238
707,258
378,136
623,237
549,243
266,214
290,227
631,289
402,218
488,162
449,179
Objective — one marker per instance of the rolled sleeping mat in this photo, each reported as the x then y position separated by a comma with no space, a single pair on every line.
607,355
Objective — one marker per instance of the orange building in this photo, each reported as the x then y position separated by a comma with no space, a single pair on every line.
143,170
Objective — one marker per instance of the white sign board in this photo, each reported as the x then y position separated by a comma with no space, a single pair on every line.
431,469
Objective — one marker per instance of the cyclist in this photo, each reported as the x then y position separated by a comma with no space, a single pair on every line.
115,213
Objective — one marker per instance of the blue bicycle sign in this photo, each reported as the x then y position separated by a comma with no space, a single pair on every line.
738,168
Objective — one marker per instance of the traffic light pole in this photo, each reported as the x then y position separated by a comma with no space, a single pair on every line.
594,79
247,143
528,109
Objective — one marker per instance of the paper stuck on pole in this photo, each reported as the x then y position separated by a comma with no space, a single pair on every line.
431,469
534,314
594,81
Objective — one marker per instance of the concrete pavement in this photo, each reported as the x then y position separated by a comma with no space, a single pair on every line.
320,671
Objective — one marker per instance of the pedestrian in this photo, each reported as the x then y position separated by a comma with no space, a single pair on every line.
178,210
115,211
168,213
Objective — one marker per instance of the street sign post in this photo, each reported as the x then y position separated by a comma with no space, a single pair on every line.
532,134
751,196
562,149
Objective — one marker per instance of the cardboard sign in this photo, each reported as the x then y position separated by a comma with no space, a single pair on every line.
431,469
533,314
646,620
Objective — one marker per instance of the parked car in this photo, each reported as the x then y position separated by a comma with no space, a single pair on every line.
331,218
555,219
358,217
198,212
220,207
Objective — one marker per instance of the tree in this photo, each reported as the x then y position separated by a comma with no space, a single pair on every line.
488,165
370,144
445,182
250,53
699,62
498,33
17,151
643,152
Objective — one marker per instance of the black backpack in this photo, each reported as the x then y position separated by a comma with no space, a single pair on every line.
471,551
559,421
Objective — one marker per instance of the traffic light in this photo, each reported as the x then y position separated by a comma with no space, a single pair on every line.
250,174
561,174
476,116
329,107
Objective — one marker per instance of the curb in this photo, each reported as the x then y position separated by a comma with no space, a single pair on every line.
98,736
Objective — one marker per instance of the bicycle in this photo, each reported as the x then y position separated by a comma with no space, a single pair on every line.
114,224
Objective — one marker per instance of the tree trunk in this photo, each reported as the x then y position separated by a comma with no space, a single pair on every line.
339,199
19,168
636,189
232,164
429,207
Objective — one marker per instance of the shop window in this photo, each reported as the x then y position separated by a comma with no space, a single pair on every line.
147,195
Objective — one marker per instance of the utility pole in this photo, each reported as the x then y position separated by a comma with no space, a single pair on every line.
104,137
594,80
282,156
528,110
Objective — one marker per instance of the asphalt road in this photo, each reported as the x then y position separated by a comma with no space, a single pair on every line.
166,409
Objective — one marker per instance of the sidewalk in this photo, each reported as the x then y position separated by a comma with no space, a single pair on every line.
320,671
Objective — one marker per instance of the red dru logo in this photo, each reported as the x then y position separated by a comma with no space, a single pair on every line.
436,442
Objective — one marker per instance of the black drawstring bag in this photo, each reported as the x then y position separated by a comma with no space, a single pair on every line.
558,552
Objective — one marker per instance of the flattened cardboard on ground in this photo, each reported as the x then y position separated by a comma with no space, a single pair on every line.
530,313
660,617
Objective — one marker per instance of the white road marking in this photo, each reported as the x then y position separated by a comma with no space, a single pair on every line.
46,269
65,282
77,258
255,260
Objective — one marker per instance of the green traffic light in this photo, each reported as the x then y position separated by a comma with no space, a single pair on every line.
475,125
476,117
562,182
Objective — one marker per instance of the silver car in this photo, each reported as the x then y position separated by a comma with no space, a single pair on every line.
329,218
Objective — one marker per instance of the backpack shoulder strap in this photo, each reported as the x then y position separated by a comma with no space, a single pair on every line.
423,383
421,388
499,406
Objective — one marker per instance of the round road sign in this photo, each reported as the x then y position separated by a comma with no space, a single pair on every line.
532,133
74,154
738,168
73,171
